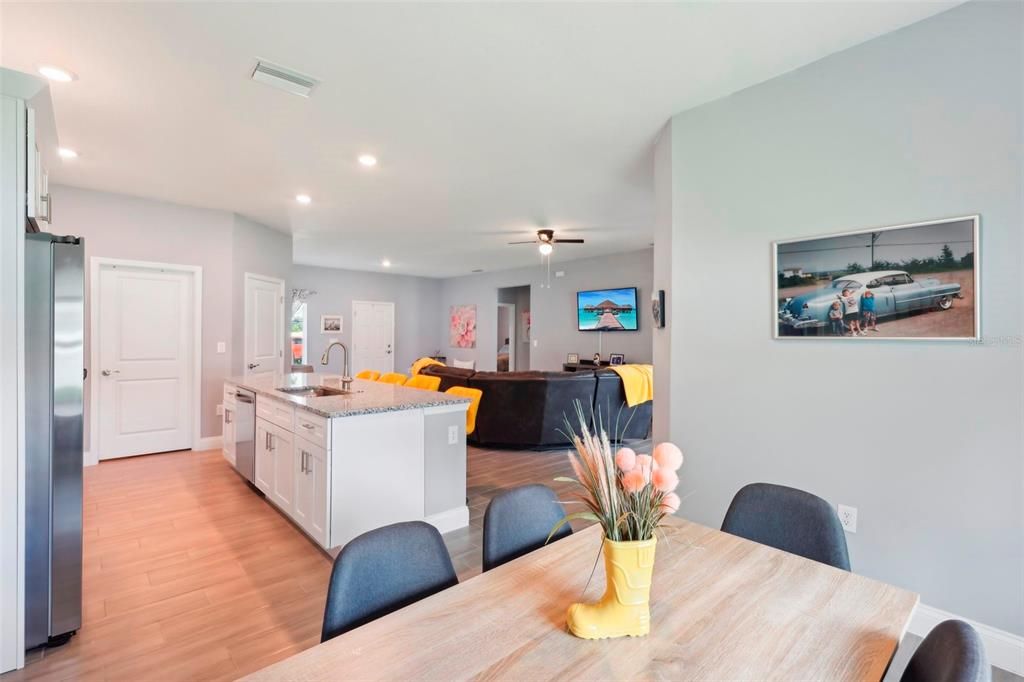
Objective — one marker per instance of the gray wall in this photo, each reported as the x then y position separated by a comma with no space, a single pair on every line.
925,438
554,311
119,226
416,310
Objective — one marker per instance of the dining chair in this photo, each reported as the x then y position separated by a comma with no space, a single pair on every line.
392,378
952,652
424,382
518,521
383,570
369,374
788,519
475,395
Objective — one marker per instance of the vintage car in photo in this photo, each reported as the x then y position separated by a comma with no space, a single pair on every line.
895,292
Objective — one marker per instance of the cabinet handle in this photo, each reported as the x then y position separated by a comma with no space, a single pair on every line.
49,208
308,426
266,440
270,440
227,416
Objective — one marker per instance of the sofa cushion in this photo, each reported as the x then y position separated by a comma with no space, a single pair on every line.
620,420
530,408
450,376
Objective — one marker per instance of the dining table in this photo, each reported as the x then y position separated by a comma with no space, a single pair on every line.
722,608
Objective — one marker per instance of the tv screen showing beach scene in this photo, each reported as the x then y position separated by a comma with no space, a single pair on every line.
607,310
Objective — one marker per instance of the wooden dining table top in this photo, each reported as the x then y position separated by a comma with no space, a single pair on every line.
722,608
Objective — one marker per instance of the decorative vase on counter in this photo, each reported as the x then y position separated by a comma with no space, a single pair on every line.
629,495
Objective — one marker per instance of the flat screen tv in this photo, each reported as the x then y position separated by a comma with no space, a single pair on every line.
607,310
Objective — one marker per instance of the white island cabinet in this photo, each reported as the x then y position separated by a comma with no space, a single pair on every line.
341,464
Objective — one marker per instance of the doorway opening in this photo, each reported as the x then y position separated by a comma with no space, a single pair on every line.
513,332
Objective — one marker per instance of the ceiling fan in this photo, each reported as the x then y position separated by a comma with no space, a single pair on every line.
546,239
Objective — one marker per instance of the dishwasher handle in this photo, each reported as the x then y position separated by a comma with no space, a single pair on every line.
244,397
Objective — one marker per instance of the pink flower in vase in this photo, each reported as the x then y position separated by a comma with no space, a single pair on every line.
625,459
633,481
668,456
645,464
664,480
670,503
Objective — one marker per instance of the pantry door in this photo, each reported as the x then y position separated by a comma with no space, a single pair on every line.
373,336
144,346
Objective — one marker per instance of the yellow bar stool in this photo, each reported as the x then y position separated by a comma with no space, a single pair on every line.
474,394
393,378
369,374
424,382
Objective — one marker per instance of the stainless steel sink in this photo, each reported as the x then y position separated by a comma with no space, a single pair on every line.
315,391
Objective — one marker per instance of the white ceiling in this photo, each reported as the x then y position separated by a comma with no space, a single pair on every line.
489,120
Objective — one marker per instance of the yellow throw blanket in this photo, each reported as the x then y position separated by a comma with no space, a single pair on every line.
637,382
423,362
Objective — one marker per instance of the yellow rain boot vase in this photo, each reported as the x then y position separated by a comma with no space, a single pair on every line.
624,609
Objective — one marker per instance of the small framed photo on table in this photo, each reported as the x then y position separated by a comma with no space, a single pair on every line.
330,324
572,359
616,359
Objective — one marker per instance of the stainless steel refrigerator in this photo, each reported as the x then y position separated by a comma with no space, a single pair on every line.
54,380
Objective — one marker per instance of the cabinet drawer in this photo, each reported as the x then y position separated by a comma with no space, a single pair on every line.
312,427
275,412
229,394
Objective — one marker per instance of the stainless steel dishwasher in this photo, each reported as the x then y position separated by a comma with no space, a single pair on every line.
245,433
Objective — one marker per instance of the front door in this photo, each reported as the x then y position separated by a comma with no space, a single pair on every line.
264,324
373,336
145,341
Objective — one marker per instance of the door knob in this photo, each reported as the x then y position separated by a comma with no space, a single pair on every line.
108,372
253,365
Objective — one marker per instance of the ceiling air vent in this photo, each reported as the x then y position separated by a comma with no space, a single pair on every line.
283,78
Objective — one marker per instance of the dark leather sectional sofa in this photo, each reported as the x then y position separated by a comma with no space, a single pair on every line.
528,409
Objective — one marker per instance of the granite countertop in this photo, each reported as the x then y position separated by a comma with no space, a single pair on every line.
368,397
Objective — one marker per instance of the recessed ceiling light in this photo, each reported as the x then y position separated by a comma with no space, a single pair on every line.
66,153
303,198
368,160
386,263
57,74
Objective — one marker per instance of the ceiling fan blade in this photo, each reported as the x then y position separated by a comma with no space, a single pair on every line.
532,241
567,241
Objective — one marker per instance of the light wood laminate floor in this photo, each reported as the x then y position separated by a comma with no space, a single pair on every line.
189,574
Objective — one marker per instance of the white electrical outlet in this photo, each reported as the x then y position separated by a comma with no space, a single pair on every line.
220,410
535,343
453,435
848,518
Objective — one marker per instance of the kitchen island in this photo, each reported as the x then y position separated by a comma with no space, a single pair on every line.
340,460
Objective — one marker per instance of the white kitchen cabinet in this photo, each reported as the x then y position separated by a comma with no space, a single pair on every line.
283,484
311,489
264,457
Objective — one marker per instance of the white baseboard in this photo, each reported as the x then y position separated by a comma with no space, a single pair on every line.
1005,650
209,443
88,460
449,520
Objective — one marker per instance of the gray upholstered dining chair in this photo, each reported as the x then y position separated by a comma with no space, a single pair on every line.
952,652
788,519
383,570
518,521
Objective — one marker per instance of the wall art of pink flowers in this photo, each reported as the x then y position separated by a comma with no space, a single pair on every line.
462,326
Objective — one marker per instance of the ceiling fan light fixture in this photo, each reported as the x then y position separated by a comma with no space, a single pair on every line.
545,248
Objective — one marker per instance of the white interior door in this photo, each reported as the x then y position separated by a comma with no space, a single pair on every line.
373,336
145,339
507,330
264,324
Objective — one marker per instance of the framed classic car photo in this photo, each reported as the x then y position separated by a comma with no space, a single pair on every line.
916,281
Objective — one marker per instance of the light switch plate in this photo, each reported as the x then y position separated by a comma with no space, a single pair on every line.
535,343
220,410
453,435
222,347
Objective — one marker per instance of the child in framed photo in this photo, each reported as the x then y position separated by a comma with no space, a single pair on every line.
616,359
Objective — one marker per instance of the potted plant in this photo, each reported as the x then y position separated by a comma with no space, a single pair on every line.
629,495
